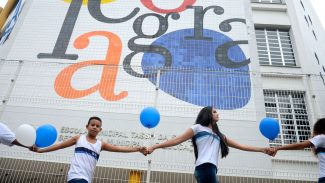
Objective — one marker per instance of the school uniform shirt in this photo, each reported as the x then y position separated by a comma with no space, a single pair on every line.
319,143
85,159
208,145
6,135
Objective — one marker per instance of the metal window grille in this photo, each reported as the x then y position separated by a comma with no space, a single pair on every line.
274,47
290,109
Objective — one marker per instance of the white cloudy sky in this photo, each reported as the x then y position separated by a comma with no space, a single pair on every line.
318,5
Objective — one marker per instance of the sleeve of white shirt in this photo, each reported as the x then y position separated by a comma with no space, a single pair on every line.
318,141
6,135
195,128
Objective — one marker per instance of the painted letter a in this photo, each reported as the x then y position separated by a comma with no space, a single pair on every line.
63,83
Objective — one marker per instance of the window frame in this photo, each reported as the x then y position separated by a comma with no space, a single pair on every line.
300,126
268,40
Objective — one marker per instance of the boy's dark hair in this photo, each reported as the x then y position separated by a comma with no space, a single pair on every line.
319,127
204,118
95,118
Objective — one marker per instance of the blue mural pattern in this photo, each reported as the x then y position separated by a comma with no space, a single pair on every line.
195,75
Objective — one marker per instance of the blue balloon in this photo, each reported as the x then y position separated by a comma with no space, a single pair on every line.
270,128
46,135
149,117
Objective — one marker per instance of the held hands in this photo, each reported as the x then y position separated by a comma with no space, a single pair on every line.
150,149
146,150
143,150
270,151
34,148
273,151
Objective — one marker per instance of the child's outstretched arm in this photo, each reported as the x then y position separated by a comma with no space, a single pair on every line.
113,148
243,147
15,142
172,142
62,145
296,146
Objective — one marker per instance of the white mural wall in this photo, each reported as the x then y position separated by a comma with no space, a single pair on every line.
69,60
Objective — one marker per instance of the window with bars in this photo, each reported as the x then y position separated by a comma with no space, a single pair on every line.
274,47
289,108
269,1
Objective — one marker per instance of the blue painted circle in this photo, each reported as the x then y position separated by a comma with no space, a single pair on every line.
197,77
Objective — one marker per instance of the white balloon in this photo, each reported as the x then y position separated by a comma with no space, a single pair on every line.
26,135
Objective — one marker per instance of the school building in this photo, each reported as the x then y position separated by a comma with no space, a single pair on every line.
63,61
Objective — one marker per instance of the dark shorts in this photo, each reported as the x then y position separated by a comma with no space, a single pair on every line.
77,181
206,173
321,180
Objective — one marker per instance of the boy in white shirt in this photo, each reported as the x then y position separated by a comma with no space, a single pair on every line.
87,151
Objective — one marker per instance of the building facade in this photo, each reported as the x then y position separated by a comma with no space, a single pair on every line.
64,61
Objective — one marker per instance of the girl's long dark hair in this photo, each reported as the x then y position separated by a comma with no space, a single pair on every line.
204,118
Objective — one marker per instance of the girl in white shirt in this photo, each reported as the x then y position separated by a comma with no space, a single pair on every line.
207,141
317,142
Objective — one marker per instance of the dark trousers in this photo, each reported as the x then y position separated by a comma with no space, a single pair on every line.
321,180
77,181
206,173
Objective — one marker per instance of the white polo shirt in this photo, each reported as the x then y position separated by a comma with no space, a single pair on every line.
319,143
208,145
6,135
